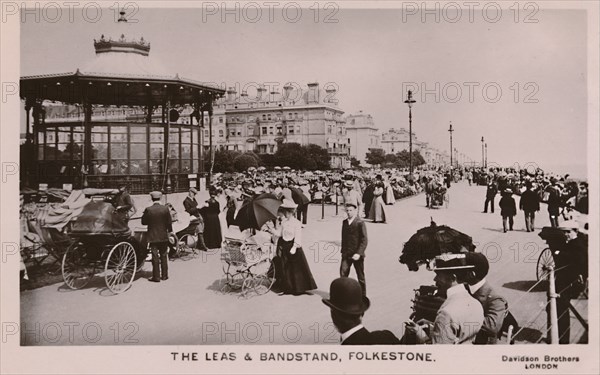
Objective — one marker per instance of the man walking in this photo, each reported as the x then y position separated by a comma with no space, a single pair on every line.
529,204
158,219
490,195
354,244
350,195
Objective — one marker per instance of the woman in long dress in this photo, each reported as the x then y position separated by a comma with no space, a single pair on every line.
212,224
389,193
293,275
377,211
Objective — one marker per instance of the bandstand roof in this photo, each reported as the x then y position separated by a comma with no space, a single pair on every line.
122,73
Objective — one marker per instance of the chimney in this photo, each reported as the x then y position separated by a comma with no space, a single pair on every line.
287,91
231,94
313,93
330,98
261,93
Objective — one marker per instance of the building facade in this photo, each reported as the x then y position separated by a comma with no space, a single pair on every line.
363,135
261,121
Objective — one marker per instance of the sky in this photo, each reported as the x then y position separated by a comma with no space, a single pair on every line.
373,56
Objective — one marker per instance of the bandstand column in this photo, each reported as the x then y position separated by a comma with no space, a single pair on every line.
87,141
210,143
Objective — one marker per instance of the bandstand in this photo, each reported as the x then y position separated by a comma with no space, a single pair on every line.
121,122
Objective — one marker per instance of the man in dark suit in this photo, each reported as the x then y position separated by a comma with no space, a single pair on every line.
348,305
354,244
158,219
490,195
529,204
495,307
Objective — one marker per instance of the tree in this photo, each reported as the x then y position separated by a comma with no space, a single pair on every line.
403,159
291,155
354,162
224,160
242,162
317,157
375,156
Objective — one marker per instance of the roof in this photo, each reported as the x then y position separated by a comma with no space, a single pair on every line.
122,73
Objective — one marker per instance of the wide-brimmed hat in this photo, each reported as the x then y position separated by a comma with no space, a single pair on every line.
450,262
288,203
193,190
345,295
348,183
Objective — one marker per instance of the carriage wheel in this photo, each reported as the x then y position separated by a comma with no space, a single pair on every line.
77,268
120,268
248,285
545,260
186,245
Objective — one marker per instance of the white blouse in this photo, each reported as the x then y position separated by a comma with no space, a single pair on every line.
291,229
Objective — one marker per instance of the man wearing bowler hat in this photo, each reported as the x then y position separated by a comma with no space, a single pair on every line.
348,305
158,219
460,317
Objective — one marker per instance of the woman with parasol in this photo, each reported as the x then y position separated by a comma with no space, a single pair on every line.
294,274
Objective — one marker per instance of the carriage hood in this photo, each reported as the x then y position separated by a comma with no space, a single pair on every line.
100,218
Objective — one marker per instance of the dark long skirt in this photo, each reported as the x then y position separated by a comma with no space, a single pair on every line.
293,276
212,231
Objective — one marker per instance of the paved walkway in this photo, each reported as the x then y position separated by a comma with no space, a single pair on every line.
189,308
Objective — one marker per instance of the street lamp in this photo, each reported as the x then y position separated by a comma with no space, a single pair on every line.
456,156
486,155
410,102
482,153
450,130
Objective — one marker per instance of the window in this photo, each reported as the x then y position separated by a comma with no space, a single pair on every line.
290,115
264,117
296,114
221,133
264,130
220,120
138,150
269,117
157,149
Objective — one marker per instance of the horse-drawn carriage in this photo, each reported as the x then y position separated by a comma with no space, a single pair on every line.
103,245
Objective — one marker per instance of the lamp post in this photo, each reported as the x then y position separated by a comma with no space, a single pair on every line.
450,130
410,102
482,154
456,156
486,155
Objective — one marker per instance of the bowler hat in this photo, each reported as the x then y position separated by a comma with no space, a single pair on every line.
345,295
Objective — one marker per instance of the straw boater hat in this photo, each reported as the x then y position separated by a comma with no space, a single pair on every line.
288,203
450,262
348,183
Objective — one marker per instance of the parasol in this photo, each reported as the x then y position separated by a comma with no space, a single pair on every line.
431,241
277,168
257,211
299,197
286,168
